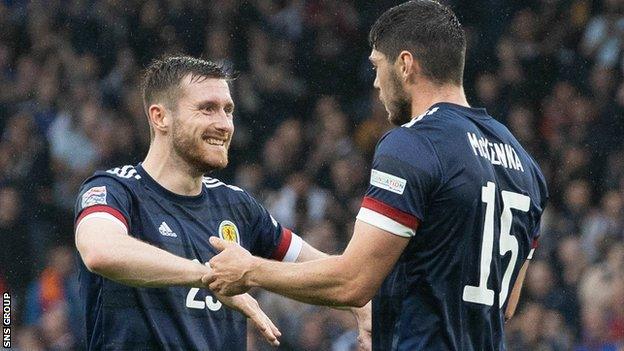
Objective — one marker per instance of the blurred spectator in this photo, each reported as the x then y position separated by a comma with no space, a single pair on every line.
52,301
298,202
602,40
15,267
605,226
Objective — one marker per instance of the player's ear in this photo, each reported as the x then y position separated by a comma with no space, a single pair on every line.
408,67
159,117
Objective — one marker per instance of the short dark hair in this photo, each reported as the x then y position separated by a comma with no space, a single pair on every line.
162,78
427,29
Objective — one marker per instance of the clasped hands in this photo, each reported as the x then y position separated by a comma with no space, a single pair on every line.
231,273
230,269
234,296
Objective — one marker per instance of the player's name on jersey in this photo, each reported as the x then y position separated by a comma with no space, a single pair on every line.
499,154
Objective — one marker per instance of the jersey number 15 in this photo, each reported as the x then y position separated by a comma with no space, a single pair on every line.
507,242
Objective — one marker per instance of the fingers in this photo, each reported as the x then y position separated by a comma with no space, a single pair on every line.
217,243
262,322
216,287
266,328
208,277
364,345
274,328
364,341
225,289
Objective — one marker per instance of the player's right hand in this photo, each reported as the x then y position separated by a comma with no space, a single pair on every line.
230,268
248,306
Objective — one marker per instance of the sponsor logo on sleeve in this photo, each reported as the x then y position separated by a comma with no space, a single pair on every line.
388,182
229,232
94,196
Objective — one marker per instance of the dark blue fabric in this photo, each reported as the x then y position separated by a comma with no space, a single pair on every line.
420,305
120,317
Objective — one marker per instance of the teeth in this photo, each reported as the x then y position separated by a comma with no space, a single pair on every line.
213,141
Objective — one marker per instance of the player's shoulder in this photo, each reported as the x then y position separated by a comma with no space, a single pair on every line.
216,185
539,181
120,182
432,123
126,176
229,193
416,134
444,118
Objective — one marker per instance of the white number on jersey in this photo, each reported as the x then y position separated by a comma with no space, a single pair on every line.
507,242
210,302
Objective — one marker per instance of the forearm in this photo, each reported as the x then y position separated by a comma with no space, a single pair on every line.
310,253
326,281
131,262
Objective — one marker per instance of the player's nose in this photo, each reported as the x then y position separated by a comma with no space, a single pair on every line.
224,124
376,81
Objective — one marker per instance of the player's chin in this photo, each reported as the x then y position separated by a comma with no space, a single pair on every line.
398,114
395,119
216,162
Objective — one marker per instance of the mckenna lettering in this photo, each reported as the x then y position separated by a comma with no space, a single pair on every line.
499,154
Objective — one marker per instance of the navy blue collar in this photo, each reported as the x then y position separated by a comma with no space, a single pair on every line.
159,189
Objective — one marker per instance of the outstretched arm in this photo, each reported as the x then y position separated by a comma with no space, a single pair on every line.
107,249
350,279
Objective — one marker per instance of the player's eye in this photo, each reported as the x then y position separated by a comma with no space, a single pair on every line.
207,108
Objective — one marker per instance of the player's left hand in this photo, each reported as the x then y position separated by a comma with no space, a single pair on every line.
364,321
248,306
229,268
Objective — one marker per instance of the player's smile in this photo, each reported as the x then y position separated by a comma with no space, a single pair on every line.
216,143
213,141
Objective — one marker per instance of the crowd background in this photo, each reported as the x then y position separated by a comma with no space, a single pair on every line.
307,122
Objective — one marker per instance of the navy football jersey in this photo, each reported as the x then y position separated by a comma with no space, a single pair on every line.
469,197
120,317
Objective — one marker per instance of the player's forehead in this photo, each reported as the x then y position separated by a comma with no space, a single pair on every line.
376,56
199,89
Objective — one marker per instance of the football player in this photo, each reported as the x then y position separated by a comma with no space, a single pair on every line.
142,231
452,214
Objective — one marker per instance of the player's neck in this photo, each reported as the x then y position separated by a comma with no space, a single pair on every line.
429,94
170,172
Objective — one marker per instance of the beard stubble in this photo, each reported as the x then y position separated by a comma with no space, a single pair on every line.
189,150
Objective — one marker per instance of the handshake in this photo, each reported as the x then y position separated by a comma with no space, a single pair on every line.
234,295
231,275
230,269
232,292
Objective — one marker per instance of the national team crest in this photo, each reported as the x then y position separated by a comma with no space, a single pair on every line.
229,232
94,196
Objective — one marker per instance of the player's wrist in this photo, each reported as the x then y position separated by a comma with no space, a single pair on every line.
254,275
201,275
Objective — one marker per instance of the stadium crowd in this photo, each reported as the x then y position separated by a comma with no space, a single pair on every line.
307,122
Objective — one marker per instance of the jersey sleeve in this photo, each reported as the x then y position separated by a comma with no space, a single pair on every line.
271,240
103,197
405,173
